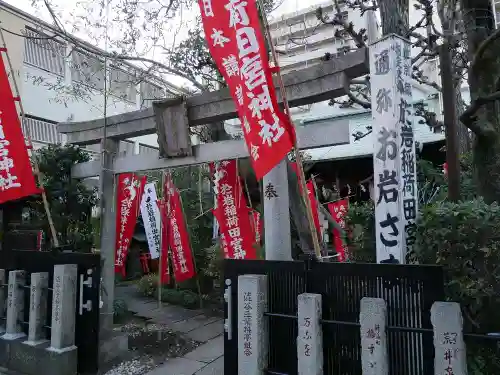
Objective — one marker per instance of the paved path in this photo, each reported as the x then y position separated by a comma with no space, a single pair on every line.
207,359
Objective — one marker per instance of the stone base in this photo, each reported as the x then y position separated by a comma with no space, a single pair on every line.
112,345
17,356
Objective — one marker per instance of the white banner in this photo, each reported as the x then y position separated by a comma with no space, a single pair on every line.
151,217
394,159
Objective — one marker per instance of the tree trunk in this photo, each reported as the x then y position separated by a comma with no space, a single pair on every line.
479,24
395,17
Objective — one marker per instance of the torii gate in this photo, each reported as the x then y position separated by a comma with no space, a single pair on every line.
172,118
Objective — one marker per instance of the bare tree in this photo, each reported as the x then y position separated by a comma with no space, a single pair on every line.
469,28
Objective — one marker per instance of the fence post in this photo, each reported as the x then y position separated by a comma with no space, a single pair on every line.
3,300
373,322
15,305
38,308
310,339
252,325
63,308
450,355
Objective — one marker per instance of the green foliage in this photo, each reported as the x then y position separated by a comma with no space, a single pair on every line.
464,238
361,220
70,200
148,284
120,309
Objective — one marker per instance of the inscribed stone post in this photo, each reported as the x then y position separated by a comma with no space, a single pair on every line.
310,339
38,308
108,233
277,214
372,319
15,305
252,325
450,355
394,164
3,300
63,308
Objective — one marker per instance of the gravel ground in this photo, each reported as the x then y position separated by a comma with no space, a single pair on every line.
150,345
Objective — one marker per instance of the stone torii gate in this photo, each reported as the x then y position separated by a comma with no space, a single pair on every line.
171,120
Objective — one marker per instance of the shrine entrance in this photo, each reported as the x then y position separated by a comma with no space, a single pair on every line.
409,292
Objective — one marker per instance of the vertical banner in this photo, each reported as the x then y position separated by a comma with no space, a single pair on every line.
232,213
338,211
394,162
128,190
163,267
226,250
16,175
182,257
151,217
236,43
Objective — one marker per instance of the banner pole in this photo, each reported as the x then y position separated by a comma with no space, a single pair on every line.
28,136
162,226
192,254
298,157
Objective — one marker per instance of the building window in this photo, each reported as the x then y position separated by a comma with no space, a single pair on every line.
123,84
88,70
41,130
46,54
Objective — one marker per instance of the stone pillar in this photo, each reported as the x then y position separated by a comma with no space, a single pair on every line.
277,214
450,355
63,308
373,318
252,325
38,308
108,230
3,300
15,305
310,339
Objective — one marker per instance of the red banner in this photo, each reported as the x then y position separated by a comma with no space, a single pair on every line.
223,243
129,191
163,267
236,43
338,210
178,236
232,213
16,175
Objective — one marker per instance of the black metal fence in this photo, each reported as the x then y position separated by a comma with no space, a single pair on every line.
87,320
408,290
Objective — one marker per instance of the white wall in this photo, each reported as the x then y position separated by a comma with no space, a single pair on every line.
42,100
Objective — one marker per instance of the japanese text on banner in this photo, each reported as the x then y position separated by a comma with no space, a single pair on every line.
236,43
16,175
129,190
151,217
232,213
394,152
178,236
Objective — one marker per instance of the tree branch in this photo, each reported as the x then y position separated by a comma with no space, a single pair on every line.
468,117
115,56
